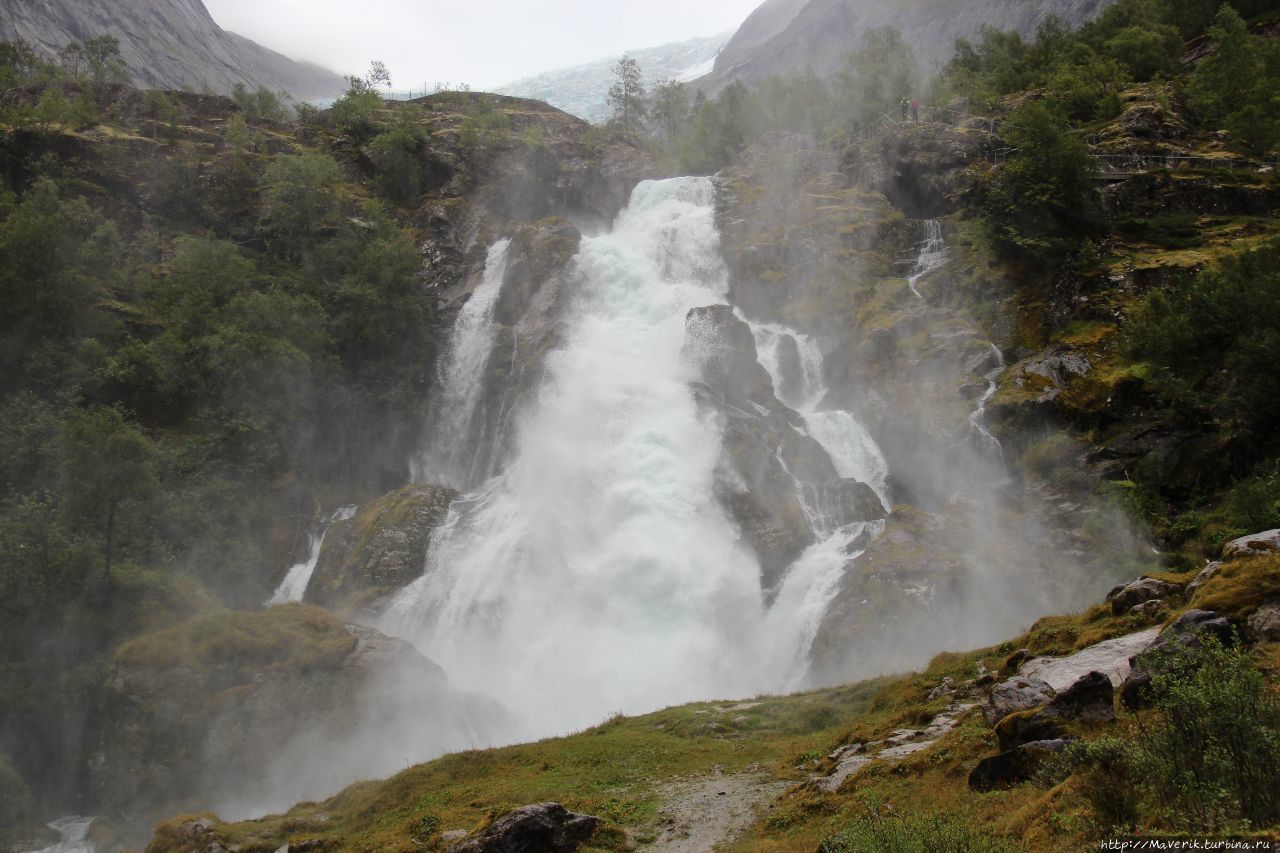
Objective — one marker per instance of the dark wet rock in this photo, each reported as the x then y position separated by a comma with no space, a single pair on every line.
1188,627
923,166
1152,609
1126,596
1185,631
1169,192
1016,694
1027,726
1014,766
537,252
724,351
1267,542
1090,700
539,828
1015,660
771,475
366,559
1264,623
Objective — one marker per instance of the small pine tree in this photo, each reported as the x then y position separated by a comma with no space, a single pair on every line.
626,95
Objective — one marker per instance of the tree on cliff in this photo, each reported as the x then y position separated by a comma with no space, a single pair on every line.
106,463
626,95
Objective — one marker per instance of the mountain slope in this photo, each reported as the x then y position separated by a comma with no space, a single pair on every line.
786,36
581,90
170,45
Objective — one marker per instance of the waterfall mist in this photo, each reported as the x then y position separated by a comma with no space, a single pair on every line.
602,566
597,572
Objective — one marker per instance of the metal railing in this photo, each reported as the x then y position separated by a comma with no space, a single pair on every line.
1139,163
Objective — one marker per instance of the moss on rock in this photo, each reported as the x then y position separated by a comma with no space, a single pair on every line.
383,548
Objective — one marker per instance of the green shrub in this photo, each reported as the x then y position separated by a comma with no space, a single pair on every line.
1207,758
1212,342
1254,503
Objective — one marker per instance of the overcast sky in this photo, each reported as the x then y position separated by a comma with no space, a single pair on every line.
483,43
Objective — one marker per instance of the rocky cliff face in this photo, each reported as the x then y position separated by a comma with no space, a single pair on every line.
785,37
834,249
166,45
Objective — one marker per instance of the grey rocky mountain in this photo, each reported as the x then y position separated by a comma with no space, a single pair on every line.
784,37
166,44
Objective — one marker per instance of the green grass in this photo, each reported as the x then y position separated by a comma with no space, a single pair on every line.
291,636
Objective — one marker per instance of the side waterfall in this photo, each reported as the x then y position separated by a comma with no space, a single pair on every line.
932,255
450,460
813,579
298,578
598,573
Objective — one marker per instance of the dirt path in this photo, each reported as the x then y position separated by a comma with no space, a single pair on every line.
703,813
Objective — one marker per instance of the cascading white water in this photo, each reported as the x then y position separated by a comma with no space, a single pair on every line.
852,450
812,581
931,257
298,578
75,836
978,418
450,459
598,573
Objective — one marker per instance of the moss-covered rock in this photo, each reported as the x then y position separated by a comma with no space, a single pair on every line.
234,708
367,558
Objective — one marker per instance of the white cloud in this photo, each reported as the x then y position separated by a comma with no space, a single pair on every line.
484,43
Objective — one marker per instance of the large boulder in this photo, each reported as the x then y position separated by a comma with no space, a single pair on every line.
1264,624
539,828
1089,701
723,349
1015,694
1266,542
240,712
1127,596
1110,657
367,558
1013,766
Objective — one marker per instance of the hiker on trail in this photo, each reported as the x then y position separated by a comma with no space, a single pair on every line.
915,110
906,105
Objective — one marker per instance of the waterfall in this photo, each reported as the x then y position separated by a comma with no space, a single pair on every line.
978,418
75,836
298,578
853,451
597,572
813,580
451,459
931,256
